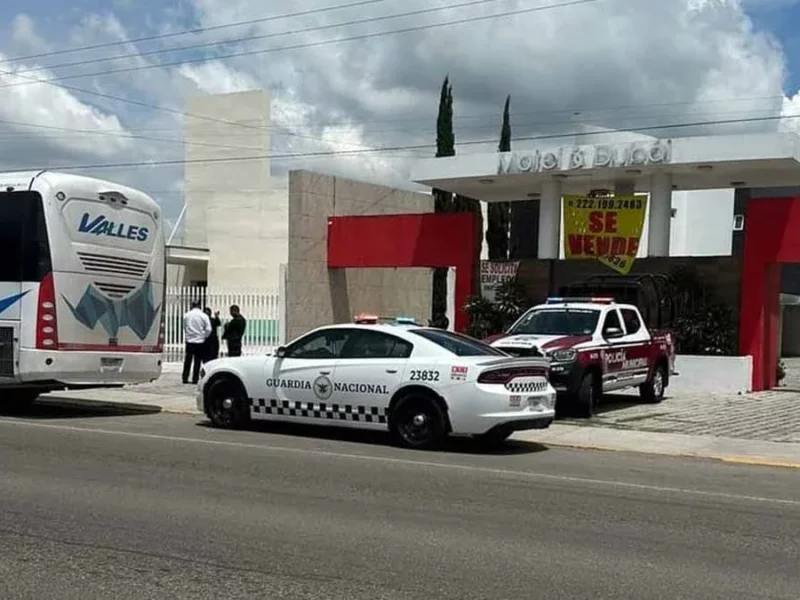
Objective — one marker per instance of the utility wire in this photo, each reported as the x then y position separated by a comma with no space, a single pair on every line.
162,36
400,148
310,44
252,38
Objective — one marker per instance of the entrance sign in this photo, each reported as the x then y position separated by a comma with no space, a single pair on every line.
606,229
494,274
602,156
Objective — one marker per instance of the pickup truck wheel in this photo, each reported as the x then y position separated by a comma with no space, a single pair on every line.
587,397
653,390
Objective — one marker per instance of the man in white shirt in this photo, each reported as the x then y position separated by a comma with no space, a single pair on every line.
196,329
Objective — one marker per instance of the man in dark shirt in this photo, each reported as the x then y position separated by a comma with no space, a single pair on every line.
234,332
212,342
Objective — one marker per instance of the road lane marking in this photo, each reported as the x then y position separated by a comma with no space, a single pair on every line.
408,462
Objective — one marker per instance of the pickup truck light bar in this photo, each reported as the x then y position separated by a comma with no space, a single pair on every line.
560,300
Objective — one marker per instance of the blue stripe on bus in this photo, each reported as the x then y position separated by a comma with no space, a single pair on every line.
6,303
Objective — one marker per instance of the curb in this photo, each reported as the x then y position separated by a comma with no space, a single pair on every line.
731,459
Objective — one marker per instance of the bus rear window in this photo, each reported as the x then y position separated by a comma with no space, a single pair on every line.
24,247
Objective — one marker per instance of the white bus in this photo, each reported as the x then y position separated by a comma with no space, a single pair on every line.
82,274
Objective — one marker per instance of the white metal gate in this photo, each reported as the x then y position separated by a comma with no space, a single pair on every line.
263,311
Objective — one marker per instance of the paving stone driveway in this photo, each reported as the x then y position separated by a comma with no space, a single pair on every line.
771,416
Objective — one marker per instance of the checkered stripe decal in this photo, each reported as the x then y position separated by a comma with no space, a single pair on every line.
528,385
335,412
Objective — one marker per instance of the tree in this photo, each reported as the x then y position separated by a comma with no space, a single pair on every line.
498,212
442,200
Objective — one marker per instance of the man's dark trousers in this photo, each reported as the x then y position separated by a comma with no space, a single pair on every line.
196,353
235,347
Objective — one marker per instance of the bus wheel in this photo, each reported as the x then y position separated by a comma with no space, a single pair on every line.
227,405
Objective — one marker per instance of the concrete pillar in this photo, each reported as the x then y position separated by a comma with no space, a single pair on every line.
660,220
550,219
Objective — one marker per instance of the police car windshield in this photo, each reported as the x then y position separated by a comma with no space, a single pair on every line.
460,345
558,321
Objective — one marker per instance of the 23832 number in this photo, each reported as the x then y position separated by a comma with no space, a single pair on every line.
424,376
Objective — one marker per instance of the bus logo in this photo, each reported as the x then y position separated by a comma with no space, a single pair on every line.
102,226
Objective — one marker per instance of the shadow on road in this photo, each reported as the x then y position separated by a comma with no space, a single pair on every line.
452,445
46,409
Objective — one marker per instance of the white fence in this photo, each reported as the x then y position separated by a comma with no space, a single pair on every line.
263,311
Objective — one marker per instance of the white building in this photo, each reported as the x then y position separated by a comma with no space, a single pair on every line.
235,224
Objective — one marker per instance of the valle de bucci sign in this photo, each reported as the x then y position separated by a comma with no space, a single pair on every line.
600,156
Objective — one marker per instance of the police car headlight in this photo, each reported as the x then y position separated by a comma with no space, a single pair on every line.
565,355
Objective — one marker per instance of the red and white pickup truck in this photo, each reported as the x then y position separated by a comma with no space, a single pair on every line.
595,346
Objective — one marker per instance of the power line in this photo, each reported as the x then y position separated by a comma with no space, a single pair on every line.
183,141
264,36
526,124
132,102
160,36
414,147
314,44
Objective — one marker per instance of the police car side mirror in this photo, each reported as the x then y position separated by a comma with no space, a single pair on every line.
280,352
613,333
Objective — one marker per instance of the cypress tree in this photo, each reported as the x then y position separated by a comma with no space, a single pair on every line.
442,200
498,212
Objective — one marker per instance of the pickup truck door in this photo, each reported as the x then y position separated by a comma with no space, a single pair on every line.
637,348
626,354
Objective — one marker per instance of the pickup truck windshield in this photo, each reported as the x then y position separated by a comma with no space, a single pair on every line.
558,321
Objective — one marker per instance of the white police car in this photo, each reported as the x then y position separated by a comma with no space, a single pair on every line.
418,382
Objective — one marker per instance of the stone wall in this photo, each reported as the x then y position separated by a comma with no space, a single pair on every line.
318,296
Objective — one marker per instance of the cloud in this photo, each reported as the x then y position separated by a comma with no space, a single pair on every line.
608,65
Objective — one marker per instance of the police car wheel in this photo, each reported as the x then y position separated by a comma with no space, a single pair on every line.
226,405
417,422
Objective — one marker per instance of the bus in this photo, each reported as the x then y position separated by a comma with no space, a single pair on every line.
82,285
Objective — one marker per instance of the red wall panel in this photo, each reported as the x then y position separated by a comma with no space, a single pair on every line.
409,240
772,237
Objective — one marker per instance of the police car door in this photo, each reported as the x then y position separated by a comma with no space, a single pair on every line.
302,379
367,374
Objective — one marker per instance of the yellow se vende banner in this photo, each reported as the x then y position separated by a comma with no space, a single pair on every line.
606,229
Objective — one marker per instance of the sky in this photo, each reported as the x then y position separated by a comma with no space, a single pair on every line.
78,91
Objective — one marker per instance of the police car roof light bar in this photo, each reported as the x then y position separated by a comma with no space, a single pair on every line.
563,300
405,320
365,319
368,319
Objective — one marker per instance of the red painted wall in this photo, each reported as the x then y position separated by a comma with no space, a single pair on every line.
772,237
409,240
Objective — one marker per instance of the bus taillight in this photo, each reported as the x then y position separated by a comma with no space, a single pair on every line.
46,323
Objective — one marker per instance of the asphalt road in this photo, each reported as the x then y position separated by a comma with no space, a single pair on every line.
96,505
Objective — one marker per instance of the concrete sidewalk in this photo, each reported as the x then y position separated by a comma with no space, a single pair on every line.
755,429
